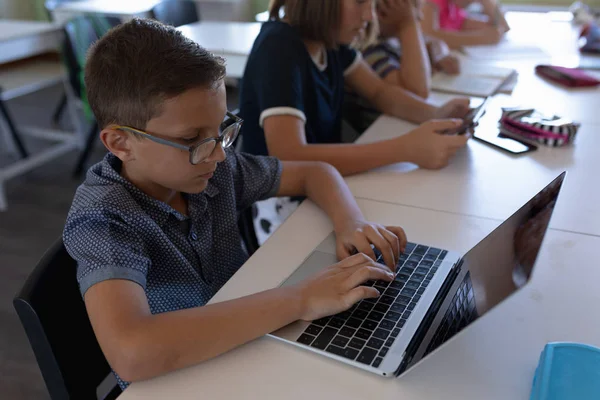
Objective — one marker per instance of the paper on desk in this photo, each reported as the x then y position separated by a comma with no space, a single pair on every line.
505,50
476,79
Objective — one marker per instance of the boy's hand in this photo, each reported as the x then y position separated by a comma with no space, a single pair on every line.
429,148
455,108
397,13
357,236
337,288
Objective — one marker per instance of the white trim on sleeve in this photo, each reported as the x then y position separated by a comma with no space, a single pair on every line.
270,112
354,64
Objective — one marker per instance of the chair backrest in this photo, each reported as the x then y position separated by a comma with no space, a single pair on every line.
80,33
53,314
176,12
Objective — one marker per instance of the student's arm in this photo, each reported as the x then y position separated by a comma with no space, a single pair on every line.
457,39
491,8
415,70
398,102
324,185
424,146
139,345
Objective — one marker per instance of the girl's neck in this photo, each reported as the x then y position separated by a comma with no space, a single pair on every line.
315,49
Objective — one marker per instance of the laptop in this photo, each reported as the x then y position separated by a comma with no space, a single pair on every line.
435,294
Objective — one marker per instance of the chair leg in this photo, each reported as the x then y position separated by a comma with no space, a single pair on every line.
89,145
59,109
246,227
13,131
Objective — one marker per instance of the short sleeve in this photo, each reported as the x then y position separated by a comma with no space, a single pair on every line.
104,248
255,177
382,59
277,76
349,59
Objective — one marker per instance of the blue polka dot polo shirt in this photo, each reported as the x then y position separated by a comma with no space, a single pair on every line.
115,231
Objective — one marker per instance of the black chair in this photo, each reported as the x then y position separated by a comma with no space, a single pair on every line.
53,314
176,12
80,34
50,6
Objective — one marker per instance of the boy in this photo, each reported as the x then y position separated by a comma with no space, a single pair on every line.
154,226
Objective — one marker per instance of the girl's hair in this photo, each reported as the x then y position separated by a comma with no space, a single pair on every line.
368,37
314,19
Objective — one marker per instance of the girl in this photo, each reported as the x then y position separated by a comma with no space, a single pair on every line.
293,91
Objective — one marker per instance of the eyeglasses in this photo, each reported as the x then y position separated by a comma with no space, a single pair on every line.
200,151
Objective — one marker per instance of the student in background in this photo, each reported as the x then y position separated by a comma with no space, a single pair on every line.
448,20
394,46
293,91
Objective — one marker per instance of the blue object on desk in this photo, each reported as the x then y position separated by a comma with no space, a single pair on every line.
567,371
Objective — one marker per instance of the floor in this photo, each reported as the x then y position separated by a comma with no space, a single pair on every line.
38,204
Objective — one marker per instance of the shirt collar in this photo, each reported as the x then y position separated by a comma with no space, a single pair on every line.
110,170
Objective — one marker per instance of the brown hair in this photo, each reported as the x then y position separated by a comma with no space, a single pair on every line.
314,19
132,69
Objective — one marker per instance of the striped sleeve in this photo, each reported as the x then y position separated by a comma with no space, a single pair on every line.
382,58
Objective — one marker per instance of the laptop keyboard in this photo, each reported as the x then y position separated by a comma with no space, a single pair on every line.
365,332
462,312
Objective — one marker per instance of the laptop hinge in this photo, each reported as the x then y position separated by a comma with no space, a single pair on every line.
419,335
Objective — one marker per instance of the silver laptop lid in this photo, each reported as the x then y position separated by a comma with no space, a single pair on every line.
494,269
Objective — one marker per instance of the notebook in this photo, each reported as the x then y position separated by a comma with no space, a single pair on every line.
479,80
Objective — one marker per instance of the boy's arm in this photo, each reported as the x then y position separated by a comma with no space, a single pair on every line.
324,185
139,345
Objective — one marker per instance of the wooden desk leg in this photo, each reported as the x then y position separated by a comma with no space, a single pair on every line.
13,131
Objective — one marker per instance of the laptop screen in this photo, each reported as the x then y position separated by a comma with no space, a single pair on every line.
496,267
503,262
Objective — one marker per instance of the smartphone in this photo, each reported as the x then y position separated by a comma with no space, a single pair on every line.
470,120
503,142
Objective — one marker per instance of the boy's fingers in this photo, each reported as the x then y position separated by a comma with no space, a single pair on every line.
362,245
367,273
400,236
382,244
356,260
358,293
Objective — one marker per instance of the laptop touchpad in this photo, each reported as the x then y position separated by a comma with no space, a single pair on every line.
316,262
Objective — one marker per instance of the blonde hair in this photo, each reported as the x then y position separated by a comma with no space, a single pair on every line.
314,19
368,37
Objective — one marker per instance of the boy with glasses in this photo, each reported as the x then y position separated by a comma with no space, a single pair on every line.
154,226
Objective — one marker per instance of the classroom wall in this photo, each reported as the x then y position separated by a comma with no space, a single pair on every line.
18,9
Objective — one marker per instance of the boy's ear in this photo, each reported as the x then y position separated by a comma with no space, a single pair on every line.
118,142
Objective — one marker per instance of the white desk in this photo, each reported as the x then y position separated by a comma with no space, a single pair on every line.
485,182
492,359
126,9
119,8
230,40
22,39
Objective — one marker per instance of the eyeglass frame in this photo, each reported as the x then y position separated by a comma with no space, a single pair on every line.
236,121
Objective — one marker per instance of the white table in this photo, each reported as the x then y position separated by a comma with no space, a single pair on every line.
127,9
22,39
494,358
485,182
118,8
230,40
